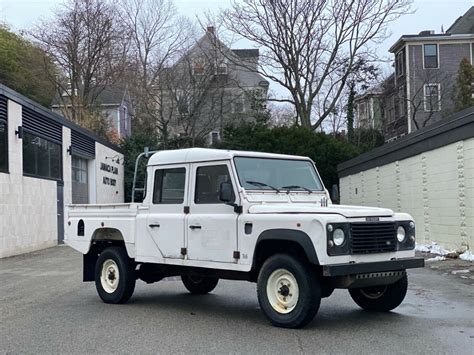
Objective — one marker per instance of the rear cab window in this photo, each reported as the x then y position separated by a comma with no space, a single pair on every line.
169,186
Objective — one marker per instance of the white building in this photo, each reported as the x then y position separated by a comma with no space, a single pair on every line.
47,162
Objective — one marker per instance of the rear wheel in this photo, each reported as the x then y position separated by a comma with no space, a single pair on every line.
199,285
115,275
380,298
288,291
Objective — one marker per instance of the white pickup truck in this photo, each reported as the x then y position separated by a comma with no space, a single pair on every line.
266,218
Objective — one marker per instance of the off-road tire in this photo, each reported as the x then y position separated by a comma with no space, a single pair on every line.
380,298
122,290
199,285
308,286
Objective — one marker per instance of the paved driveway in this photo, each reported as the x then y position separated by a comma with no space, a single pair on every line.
45,307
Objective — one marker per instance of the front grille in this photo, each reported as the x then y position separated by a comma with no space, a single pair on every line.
369,238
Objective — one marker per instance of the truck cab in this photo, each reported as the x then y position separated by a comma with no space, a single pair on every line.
213,214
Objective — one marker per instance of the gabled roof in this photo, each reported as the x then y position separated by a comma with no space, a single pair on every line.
107,95
464,23
461,29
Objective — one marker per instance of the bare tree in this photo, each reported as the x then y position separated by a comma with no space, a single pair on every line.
158,36
311,47
89,47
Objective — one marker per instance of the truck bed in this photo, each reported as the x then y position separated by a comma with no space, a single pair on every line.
86,222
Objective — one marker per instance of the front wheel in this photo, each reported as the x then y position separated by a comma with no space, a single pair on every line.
115,275
199,285
380,298
288,291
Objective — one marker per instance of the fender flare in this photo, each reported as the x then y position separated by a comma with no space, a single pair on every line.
291,235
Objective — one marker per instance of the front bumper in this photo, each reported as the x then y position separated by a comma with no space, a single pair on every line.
372,267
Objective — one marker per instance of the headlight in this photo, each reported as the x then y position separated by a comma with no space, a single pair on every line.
400,234
338,237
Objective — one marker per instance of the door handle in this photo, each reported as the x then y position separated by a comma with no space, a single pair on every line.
153,225
195,227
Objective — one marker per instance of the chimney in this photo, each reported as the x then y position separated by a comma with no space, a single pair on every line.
426,33
210,29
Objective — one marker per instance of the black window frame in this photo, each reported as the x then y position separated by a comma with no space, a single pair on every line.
425,56
36,174
217,201
157,180
5,168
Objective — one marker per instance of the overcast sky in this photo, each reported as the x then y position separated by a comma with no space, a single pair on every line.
428,15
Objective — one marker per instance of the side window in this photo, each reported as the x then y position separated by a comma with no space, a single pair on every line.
208,182
169,186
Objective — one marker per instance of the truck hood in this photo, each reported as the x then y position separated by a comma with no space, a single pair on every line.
344,210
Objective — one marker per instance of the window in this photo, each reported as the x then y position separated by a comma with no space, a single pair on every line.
432,97
79,170
3,145
41,157
430,56
238,105
214,137
182,100
169,186
198,67
399,63
208,182
221,67
401,101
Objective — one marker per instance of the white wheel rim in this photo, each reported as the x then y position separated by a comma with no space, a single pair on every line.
109,276
282,291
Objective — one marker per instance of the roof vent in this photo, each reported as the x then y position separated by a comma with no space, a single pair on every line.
427,33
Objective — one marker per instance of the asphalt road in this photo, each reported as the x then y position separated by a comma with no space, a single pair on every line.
45,308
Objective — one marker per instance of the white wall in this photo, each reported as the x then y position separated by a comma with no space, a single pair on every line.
435,187
28,210
107,193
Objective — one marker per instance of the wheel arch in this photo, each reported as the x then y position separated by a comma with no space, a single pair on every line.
101,239
273,241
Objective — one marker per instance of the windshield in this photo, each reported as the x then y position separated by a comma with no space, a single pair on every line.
277,174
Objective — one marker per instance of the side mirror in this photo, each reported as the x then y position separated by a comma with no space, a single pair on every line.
226,192
335,193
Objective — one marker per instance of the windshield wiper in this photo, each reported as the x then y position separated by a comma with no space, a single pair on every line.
261,184
289,187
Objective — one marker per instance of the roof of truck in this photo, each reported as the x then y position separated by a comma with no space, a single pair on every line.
193,155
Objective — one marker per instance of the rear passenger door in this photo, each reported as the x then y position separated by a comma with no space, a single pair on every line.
211,224
166,218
